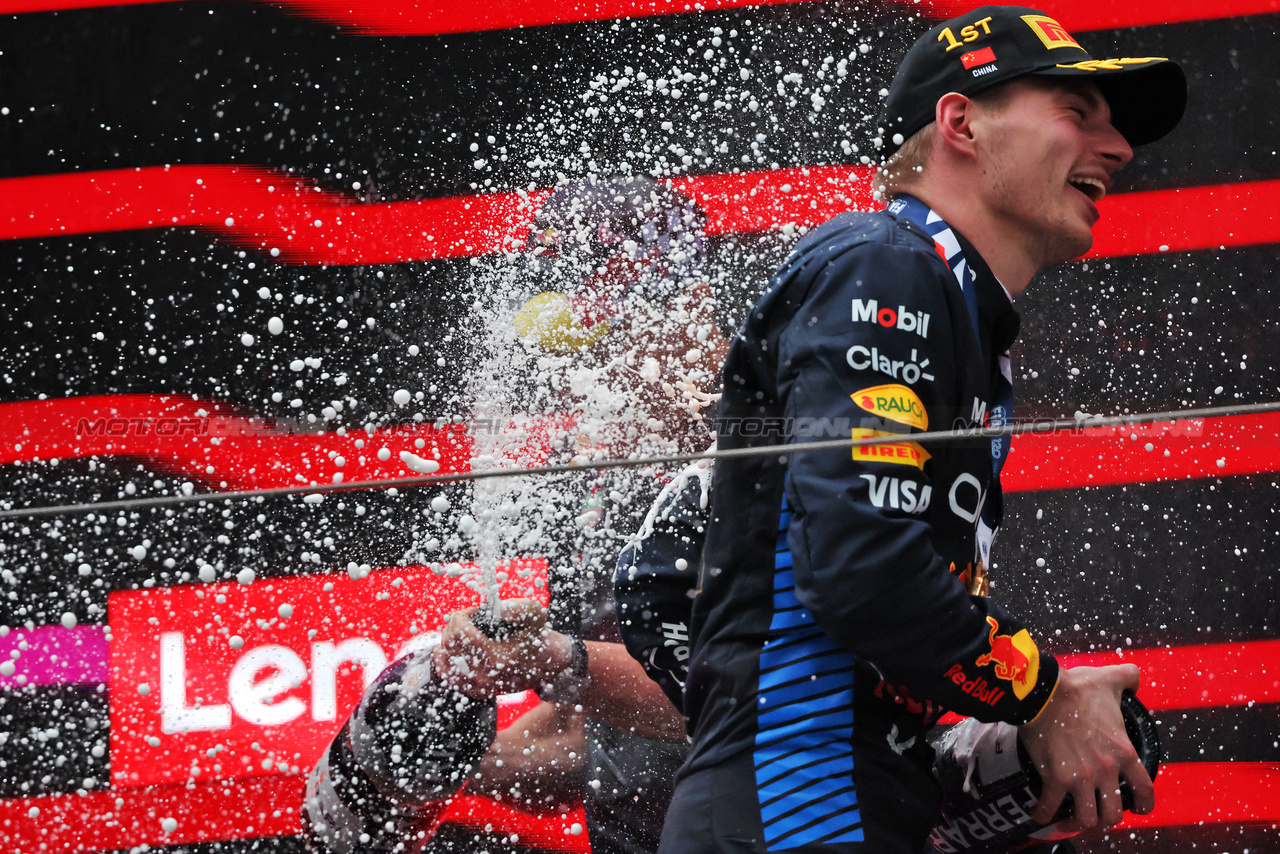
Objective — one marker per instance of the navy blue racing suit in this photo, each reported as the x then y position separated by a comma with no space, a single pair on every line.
839,609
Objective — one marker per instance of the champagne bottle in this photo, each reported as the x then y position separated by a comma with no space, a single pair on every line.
990,786
409,746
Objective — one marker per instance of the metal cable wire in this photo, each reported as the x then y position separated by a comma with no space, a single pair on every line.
932,437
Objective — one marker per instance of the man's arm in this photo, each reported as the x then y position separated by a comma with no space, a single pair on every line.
538,761
532,656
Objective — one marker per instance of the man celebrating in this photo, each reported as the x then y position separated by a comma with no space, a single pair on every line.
842,604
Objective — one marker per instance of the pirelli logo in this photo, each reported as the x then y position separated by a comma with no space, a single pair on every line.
1052,33
900,453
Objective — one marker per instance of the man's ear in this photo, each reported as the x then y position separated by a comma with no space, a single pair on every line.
954,114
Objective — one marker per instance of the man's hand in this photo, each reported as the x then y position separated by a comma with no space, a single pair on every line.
1080,748
479,666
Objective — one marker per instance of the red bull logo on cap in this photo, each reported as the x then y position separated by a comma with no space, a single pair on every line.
1051,32
1015,657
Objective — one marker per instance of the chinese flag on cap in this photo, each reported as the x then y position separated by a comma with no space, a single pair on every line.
978,57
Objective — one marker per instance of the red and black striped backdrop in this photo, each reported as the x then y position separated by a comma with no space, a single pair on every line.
173,174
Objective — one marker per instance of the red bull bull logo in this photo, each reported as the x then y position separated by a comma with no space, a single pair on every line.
1015,656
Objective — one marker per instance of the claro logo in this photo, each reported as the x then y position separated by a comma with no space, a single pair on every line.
227,680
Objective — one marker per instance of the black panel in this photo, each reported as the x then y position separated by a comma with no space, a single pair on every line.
236,82
1213,839
1150,332
229,82
1235,734
54,739
1145,565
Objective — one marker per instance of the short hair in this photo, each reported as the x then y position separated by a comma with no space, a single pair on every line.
899,172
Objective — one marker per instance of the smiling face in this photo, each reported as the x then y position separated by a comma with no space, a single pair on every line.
1047,154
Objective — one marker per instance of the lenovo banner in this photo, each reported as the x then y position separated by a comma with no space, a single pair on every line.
240,680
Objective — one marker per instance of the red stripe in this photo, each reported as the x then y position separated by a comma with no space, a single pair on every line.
227,448
242,809
764,201
281,215
254,454
1191,793
409,17
554,832
1211,793
1198,677
1211,447
271,212
1184,677
1224,215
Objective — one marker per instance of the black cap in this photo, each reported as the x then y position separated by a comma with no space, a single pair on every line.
995,44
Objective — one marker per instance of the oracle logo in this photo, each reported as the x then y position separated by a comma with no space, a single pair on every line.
224,681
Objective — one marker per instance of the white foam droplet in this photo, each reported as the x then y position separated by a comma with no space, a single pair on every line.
413,462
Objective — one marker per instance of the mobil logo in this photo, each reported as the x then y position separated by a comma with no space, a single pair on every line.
869,311
228,680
